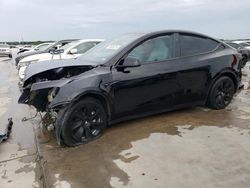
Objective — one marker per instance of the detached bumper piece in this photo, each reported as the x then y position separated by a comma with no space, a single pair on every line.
4,137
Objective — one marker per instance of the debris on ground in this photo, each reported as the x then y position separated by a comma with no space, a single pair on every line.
6,135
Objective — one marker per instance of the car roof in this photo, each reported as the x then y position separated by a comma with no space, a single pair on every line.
91,40
67,40
178,31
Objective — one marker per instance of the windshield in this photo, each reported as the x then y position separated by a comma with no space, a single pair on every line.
49,46
4,46
106,50
42,46
66,46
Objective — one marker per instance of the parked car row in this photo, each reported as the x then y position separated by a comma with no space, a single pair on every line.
39,47
49,48
67,51
130,76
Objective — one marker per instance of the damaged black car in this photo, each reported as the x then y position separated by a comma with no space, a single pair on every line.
132,76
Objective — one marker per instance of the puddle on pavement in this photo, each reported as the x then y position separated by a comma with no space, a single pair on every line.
206,156
130,149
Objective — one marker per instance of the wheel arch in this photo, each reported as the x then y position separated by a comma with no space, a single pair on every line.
92,94
229,73
96,95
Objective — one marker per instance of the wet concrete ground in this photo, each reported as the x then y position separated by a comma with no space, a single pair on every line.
195,147
18,156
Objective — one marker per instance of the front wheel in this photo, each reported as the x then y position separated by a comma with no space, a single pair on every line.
221,93
82,122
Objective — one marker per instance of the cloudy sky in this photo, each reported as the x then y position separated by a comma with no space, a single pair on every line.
58,19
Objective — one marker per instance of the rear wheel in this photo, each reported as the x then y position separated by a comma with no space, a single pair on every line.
221,93
82,122
10,55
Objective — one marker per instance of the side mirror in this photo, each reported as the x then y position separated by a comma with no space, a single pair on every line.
130,62
36,49
73,51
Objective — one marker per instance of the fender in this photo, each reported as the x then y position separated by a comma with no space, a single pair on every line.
100,95
236,76
91,83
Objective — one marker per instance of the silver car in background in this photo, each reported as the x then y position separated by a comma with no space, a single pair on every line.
5,50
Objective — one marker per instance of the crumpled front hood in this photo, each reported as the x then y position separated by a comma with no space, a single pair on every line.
37,57
43,66
23,55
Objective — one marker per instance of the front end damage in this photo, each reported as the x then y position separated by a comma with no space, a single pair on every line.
40,90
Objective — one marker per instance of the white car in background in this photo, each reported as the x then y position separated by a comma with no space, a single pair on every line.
39,47
69,51
5,50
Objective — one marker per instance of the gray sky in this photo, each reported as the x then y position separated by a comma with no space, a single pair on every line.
58,19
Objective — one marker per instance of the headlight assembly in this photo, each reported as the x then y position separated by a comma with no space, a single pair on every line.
27,63
52,93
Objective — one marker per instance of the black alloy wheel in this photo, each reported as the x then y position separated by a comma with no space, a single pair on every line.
221,93
83,121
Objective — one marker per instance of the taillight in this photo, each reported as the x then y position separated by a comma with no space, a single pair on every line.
234,61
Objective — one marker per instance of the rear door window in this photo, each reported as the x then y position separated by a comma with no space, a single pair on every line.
194,45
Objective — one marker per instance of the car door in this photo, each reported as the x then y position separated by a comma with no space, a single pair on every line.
151,86
194,67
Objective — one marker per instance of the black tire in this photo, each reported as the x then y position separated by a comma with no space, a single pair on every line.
10,56
221,93
82,122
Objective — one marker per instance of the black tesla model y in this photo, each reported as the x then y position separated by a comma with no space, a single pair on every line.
131,76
